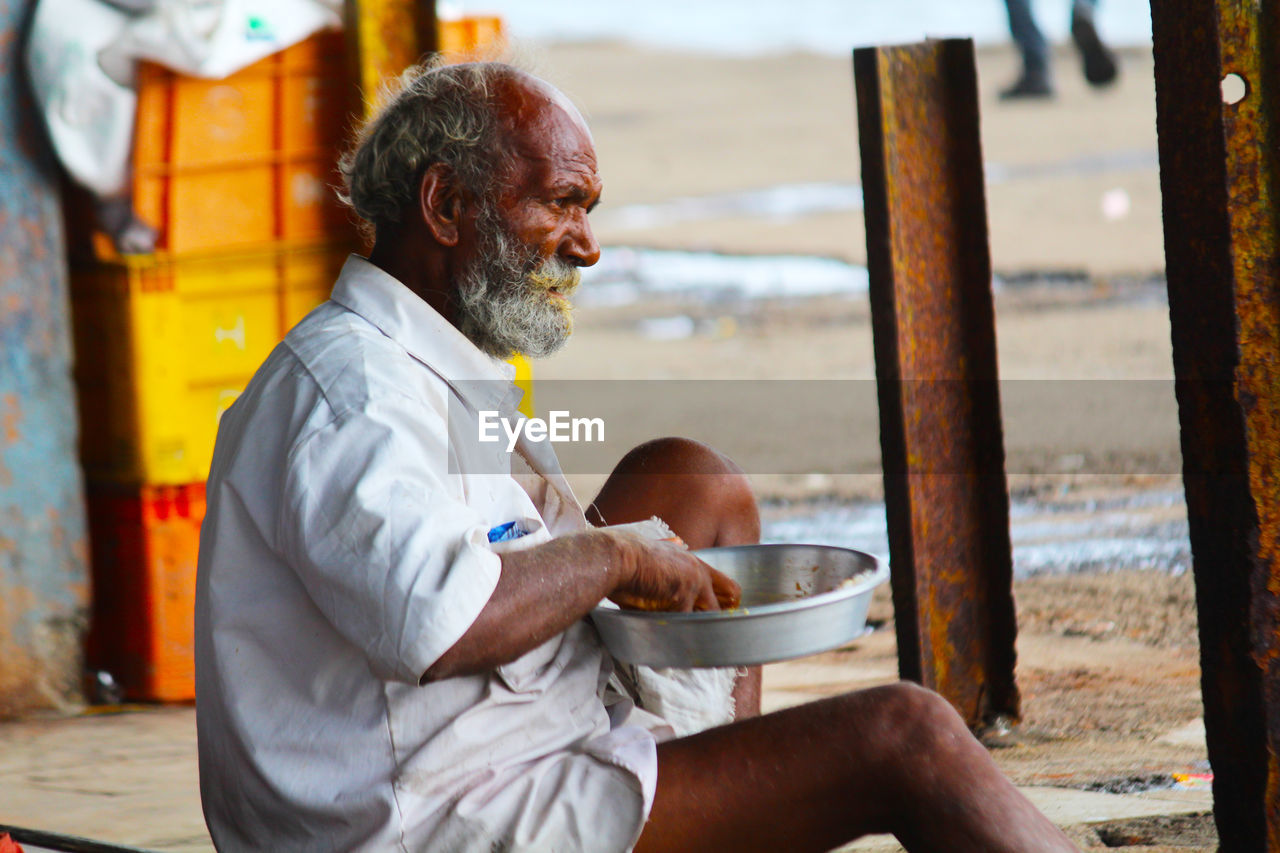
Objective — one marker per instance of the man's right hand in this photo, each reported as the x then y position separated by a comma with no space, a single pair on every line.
659,575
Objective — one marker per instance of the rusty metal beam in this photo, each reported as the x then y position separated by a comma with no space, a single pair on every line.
1219,165
384,37
934,331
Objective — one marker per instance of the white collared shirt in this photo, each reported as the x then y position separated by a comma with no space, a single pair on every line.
344,550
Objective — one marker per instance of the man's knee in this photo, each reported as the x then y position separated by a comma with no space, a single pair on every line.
690,485
676,455
699,466
909,720
909,701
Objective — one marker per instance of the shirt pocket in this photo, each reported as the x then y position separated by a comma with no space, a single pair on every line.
534,670
534,533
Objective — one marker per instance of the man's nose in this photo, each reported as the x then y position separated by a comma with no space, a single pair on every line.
580,244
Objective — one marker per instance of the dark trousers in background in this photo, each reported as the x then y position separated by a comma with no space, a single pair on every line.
1026,34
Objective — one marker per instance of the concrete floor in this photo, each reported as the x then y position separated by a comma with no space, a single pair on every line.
130,777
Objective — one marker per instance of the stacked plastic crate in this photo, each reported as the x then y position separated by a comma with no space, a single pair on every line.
236,175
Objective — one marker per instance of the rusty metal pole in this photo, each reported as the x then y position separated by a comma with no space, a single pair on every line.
44,577
384,37
933,323
1219,164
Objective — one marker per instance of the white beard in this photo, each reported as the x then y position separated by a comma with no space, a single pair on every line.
503,297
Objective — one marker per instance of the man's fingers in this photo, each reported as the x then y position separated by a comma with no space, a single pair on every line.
727,591
707,599
673,579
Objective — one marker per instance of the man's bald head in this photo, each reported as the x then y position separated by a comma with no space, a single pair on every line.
528,104
468,117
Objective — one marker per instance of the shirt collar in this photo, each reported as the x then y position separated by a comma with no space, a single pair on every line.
400,314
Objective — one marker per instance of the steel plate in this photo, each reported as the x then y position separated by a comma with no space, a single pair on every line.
797,600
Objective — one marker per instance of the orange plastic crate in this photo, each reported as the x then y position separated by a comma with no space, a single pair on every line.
251,158
144,542
248,159
471,37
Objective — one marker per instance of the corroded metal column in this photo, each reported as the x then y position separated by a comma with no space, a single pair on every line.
934,328
1219,163
384,37
43,574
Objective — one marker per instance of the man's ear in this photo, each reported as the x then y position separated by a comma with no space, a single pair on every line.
440,203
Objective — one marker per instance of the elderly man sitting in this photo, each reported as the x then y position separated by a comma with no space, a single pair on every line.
391,645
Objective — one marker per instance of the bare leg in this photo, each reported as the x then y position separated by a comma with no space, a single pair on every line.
891,759
701,494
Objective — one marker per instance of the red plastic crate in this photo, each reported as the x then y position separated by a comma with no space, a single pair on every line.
144,541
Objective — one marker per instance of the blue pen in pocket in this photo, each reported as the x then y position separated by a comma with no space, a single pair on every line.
506,532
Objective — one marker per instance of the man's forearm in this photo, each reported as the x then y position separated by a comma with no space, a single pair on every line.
545,589
540,593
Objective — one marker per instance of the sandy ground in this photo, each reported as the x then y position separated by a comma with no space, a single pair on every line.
672,125
1108,665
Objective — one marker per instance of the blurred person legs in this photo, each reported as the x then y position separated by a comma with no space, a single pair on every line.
1036,80
1100,67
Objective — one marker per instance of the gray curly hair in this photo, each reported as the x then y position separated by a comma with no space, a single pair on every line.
432,113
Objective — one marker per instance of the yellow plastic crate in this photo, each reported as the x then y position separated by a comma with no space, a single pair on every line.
164,345
166,342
